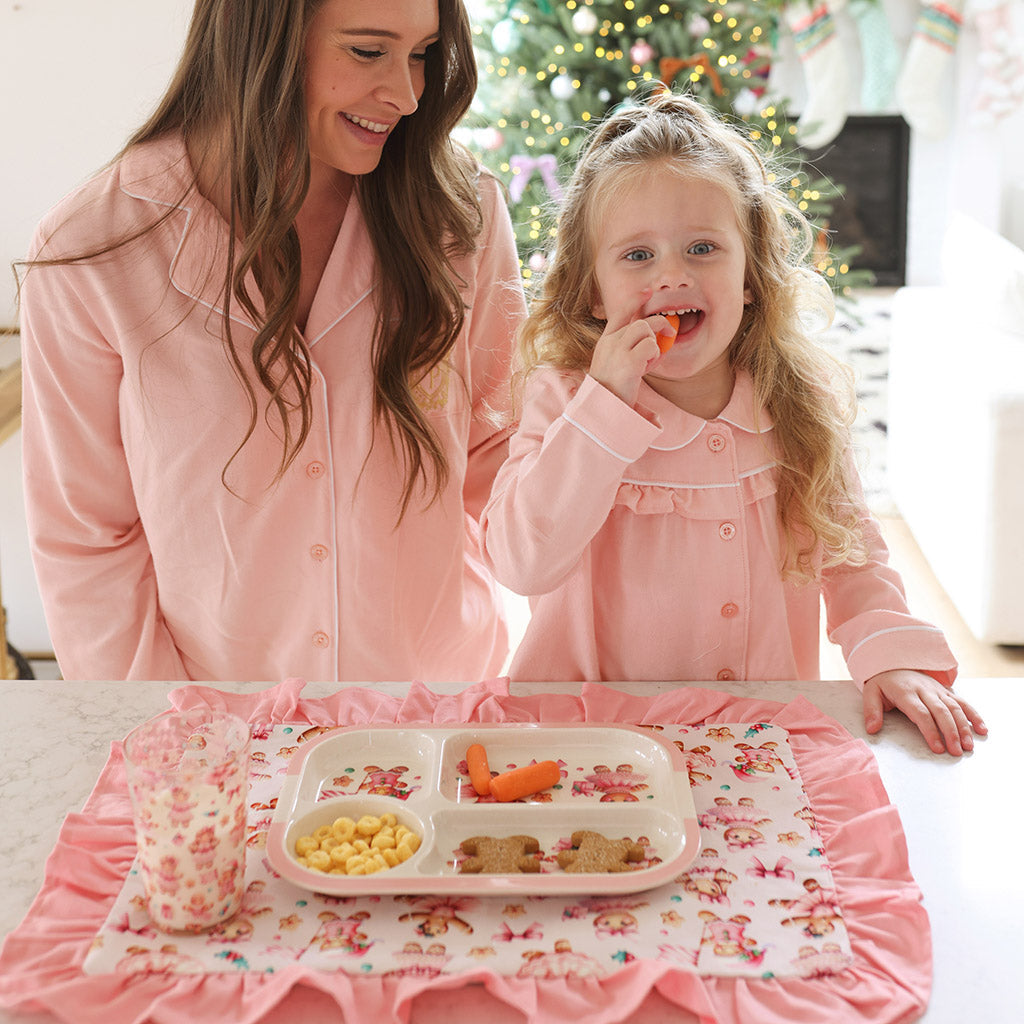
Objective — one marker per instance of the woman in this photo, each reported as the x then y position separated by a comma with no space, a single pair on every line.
266,356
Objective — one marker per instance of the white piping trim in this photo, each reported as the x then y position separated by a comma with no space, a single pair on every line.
746,429
341,316
892,629
188,211
677,447
583,430
699,487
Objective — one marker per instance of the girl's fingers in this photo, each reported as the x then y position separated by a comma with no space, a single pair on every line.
873,707
977,722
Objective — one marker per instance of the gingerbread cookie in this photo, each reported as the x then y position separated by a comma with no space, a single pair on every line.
491,855
593,852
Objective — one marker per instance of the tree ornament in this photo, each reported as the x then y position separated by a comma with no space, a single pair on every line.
746,103
699,26
489,138
505,36
584,21
641,52
922,88
562,87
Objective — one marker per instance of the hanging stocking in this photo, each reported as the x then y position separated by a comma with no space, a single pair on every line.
880,56
1001,60
825,73
923,98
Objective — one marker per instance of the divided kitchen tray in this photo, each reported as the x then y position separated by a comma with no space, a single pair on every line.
618,780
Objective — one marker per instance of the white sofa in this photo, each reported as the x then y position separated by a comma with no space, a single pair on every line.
956,426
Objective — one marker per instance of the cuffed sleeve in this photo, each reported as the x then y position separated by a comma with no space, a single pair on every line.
869,618
90,552
554,493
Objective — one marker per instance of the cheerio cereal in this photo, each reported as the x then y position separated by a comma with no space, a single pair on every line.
347,847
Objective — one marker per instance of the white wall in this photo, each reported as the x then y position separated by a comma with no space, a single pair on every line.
76,77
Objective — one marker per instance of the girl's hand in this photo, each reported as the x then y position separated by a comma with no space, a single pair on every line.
945,720
626,350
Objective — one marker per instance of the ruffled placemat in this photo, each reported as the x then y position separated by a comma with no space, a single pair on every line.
873,963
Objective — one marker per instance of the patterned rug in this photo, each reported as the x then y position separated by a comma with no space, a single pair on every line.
860,337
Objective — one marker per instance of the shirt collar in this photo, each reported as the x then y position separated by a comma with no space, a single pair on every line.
159,172
679,427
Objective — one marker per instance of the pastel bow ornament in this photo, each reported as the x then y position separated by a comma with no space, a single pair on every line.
779,871
522,170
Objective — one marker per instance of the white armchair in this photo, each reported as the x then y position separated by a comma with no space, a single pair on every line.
956,426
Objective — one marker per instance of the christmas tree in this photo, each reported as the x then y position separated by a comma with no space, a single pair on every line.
550,67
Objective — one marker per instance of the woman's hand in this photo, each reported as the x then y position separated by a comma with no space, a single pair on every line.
626,350
947,722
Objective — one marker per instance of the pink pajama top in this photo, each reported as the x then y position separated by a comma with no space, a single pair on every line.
152,567
648,542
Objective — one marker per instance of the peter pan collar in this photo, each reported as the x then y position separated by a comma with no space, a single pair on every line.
679,427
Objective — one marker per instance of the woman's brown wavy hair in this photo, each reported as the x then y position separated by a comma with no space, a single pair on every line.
807,393
240,83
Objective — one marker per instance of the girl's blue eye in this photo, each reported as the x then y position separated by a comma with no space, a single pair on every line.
702,248
638,256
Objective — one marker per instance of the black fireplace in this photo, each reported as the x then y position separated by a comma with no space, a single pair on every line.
870,159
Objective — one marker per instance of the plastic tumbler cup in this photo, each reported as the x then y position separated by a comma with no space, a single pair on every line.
188,775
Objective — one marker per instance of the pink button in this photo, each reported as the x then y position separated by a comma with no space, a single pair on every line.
716,442
315,470
727,531
726,674
729,610
321,639
319,552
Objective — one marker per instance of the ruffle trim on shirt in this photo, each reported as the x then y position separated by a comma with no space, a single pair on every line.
696,501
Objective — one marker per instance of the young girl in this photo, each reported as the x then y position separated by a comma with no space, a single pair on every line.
266,356
681,492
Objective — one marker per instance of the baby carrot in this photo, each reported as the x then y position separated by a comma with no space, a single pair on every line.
530,778
479,770
666,341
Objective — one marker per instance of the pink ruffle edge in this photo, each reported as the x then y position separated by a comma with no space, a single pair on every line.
890,981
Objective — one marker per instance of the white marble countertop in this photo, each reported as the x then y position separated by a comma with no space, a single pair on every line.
960,816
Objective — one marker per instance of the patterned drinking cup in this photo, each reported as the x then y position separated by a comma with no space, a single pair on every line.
188,781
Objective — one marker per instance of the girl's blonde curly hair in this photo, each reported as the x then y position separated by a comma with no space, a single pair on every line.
807,393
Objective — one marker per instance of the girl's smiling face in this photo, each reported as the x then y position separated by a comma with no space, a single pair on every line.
666,243
365,70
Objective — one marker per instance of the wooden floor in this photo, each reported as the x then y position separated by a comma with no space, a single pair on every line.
929,601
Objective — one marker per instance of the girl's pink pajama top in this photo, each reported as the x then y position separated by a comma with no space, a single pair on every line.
153,567
648,542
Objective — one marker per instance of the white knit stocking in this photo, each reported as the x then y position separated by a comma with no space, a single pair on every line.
825,72
920,90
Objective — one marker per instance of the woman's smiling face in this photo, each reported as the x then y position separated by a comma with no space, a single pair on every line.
365,70
678,238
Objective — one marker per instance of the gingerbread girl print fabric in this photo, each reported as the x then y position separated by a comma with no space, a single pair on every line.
758,901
